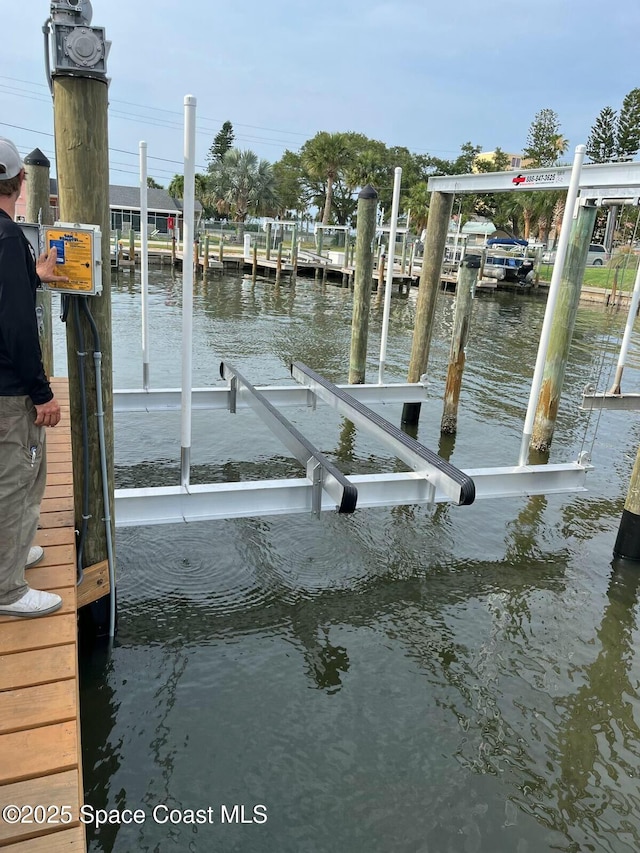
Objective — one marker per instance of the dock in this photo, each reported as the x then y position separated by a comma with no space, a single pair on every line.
41,762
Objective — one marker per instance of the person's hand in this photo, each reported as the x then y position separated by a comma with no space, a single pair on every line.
48,414
46,266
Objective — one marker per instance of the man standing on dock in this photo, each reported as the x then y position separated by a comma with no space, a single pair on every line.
27,404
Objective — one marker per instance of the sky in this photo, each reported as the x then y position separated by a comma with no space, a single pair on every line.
429,76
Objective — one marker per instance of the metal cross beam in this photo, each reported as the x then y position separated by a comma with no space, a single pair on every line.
322,473
456,484
614,177
218,501
210,399
606,400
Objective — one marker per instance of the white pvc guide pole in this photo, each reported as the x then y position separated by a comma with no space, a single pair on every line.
552,298
144,264
628,331
187,283
397,180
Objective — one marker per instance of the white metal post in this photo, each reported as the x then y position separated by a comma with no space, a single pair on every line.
552,298
457,237
626,338
144,264
397,180
187,282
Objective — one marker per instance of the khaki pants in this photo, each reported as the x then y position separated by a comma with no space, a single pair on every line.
23,471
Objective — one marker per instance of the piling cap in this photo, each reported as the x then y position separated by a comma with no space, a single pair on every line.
10,162
471,261
36,158
367,192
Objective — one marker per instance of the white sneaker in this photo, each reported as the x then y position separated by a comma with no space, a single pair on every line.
33,603
36,553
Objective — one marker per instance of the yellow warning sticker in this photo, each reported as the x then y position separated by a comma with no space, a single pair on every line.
74,258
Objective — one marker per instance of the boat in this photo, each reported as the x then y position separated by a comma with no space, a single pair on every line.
504,261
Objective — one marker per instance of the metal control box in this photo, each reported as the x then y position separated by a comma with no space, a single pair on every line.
79,249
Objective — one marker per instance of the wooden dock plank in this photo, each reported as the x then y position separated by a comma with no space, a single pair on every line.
56,555
51,504
28,707
57,519
59,789
55,536
28,669
59,467
64,841
64,490
38,752
52,578
21,635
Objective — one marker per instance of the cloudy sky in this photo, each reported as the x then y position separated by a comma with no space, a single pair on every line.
424,74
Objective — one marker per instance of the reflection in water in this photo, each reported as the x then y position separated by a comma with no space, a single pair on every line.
405,679
599,738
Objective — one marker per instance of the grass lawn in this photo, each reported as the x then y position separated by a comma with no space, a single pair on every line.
598,277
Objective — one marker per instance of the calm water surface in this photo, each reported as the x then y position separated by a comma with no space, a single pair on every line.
414,680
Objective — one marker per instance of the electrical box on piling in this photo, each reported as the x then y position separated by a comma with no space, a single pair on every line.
79,250
75,45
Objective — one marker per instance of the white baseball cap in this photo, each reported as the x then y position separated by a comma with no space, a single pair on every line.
10,161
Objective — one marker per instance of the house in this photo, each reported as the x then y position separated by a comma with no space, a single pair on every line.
124,204
516,161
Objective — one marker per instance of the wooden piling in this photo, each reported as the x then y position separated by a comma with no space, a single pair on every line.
279,264
381,266
404,253
205,256
465,289
196,255
537,261
430,277
627,543
39,210
269,241
254,267
82,161
562,328
365,234
132,248
221,249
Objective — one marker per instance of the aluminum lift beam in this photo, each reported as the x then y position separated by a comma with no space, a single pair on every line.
613,177
219,501
457,485
322,473
209,399
615,402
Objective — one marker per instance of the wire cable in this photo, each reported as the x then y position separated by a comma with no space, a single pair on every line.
81,355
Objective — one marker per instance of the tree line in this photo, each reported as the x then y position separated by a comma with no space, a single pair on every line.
330,168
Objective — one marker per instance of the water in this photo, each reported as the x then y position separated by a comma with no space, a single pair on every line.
411,680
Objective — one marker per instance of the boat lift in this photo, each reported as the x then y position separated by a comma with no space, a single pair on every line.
430,479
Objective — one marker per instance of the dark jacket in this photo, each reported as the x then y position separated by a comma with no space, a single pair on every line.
21,371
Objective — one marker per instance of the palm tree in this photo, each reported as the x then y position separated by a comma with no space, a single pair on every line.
560,145
324,158
176,187
242,184
417,201
201,191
